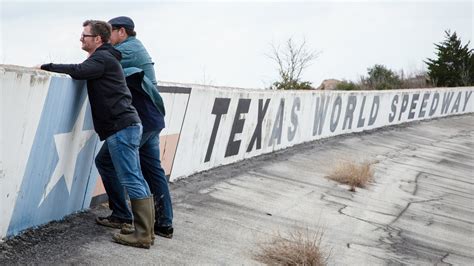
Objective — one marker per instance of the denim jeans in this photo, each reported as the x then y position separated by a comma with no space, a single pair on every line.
118,160
154,174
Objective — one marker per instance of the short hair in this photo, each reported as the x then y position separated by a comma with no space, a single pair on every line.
100,28
129,32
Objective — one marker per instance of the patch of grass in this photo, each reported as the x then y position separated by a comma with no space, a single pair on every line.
299,248
352,173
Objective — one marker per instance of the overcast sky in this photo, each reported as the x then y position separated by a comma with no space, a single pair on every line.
226,42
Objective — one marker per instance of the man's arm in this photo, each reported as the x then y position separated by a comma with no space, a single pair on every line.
92,68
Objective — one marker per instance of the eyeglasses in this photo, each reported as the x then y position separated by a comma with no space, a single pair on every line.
87,35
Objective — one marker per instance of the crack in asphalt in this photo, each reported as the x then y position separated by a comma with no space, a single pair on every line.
408,205
415,190
343,206
444,257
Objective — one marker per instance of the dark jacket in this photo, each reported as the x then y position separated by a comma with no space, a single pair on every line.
111,101
152,119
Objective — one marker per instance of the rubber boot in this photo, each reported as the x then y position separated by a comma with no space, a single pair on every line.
152,223
126,229
142,221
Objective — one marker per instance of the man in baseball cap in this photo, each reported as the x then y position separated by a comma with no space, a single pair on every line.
140,75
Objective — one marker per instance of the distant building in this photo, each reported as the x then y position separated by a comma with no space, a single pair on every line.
328,84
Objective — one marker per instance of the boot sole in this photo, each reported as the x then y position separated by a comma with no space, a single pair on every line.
170,236
137,245
128,232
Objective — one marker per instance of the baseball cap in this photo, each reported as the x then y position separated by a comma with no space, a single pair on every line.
122,21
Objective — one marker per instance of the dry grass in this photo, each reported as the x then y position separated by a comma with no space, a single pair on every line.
299,248
353,174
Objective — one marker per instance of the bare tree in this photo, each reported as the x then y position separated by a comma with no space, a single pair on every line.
291,61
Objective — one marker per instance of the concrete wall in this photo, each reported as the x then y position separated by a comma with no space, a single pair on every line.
48,144
227,125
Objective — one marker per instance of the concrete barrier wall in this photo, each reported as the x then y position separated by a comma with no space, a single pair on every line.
227,125
48,144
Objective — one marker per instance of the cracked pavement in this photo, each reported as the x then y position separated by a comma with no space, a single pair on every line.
418,210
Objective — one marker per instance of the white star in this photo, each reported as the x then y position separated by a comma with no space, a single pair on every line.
68,146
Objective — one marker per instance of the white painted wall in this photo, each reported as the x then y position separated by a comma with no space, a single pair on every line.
175,105
299,111
22,97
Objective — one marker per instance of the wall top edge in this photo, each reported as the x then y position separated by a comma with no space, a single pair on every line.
303,92
30,70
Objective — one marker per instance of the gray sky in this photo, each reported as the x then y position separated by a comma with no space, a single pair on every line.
226,42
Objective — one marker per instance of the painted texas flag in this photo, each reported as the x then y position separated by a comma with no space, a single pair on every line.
60,174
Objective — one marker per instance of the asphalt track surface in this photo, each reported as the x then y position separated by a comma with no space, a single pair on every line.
419,209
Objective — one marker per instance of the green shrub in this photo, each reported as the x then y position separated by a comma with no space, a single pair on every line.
381,78
347,86
292,85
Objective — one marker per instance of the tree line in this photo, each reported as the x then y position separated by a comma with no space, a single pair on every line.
452,66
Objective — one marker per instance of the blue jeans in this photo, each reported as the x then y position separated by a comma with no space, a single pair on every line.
118,159
154,174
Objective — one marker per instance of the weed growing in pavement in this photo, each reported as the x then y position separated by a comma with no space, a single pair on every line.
352,173
301,247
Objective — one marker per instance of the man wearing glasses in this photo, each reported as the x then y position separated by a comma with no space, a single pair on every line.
138,67
116,121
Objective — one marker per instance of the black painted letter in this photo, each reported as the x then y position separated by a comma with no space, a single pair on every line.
404,106
424,103
221,106
233,145
392,115
457,102
466,99
278,124
320,114
294,119
374,111
338,104
257,134
414,100
434,103
351,104
361,121
447,97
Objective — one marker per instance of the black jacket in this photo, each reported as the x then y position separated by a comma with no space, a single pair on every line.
110,98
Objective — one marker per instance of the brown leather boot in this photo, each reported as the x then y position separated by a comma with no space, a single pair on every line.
142,220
